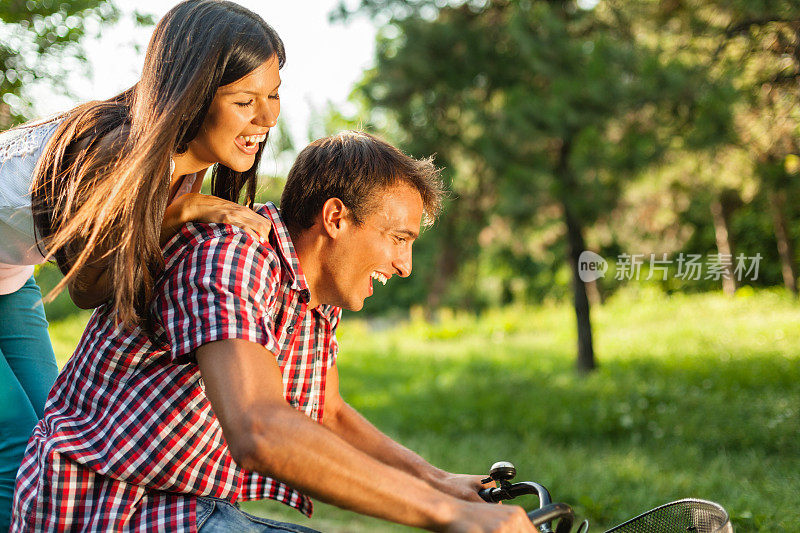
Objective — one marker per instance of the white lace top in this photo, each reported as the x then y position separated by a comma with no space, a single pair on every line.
20,149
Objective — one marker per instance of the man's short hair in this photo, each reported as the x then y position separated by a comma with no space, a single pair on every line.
353,166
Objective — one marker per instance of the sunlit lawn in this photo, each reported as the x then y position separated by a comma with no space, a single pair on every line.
695,396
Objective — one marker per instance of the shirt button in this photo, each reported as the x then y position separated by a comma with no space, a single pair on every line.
290,330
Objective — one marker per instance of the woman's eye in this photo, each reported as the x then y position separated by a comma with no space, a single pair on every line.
244,104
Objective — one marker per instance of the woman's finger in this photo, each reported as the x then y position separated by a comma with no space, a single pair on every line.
254,227
211,209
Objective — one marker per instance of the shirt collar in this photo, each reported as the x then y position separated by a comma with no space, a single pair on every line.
280,238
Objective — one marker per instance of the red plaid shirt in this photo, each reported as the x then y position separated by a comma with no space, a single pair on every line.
128,439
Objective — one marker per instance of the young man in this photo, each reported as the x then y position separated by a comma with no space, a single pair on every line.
238,396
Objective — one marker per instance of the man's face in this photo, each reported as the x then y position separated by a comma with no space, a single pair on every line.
376,250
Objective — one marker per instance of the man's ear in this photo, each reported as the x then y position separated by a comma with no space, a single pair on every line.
335,217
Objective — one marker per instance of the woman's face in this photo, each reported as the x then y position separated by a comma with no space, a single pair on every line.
239,118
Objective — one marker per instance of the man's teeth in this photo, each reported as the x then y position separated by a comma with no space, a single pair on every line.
380,277
253,139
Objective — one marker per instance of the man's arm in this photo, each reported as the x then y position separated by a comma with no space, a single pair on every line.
351,426
267,435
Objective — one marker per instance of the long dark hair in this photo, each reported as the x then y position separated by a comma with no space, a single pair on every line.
103,180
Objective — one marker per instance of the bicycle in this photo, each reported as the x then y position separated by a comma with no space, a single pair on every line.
688,515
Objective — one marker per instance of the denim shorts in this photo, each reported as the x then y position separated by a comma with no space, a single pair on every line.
221,516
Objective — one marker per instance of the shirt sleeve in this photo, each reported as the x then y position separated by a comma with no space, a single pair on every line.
218,290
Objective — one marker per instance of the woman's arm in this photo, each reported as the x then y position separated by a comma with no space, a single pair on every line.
196,207
92,286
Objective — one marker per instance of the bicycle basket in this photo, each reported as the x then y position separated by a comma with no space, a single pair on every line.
683,516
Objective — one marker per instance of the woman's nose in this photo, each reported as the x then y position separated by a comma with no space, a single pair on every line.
268,117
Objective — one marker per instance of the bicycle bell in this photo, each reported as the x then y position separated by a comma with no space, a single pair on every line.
501,471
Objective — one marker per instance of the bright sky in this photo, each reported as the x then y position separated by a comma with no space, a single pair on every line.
323,60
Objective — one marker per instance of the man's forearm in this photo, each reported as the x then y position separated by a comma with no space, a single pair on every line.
295,449
351,426
266,435
318,462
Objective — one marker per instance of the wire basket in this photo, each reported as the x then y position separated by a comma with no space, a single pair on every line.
683,516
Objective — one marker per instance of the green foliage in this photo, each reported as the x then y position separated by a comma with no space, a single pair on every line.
41,40
47,277
754,44
634,117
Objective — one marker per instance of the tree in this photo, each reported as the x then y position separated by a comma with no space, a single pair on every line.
532,105
761,40
37,38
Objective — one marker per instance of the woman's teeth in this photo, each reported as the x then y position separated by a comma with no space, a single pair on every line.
380,277
250,140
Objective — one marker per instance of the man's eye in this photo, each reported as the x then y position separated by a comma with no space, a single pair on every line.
275,96
244,104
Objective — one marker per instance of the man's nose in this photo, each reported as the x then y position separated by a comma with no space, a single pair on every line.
403,264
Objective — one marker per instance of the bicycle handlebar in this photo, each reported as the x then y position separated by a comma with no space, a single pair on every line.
684,515
542,518
508,491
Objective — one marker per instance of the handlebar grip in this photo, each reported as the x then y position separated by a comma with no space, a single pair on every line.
486,494
562,512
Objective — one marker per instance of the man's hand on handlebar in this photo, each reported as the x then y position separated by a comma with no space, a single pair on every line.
490,518
475,515
462,486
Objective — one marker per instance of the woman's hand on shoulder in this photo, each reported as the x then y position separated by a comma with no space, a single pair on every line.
196,207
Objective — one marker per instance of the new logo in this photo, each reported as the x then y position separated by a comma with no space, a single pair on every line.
591,266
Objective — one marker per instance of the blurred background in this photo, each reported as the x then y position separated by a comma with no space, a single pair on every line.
655,134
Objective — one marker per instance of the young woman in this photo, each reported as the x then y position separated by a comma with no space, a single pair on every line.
113,180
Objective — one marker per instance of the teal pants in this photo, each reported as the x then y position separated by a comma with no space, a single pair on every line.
27,371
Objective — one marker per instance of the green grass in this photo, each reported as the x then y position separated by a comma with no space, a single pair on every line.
695,396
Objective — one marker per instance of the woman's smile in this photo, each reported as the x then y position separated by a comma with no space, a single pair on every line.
249,144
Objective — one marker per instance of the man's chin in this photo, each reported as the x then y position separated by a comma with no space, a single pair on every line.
356,305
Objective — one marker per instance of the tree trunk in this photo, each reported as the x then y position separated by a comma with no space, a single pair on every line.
593,292
777,205
446,264
724,243
575,245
